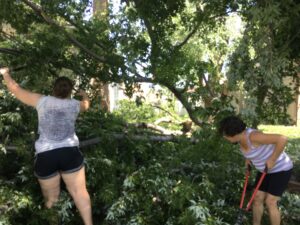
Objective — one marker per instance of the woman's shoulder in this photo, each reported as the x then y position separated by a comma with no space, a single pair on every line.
253,131
249,131
53,98
41,101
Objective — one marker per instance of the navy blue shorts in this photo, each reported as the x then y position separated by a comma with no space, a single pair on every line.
274,183
61,160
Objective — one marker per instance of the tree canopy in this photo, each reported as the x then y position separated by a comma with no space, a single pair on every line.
185,46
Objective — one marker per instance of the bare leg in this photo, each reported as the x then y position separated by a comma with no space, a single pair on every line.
76,186
50,189
258,207
274,213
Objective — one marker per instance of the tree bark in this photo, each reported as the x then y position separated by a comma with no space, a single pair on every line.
100,6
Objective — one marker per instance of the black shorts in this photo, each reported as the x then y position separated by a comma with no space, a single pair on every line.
61,160
274,183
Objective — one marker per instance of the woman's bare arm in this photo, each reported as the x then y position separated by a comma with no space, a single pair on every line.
278,140
27,97
85,102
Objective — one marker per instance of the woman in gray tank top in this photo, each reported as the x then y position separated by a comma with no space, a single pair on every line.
57,153
261,150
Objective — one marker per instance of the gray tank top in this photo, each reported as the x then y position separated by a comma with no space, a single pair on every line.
259,155
56,123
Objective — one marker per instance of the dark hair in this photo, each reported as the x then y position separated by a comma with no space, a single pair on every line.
231,125
62,87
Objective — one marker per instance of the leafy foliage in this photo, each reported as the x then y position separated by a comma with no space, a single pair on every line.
184,46
181,45
138,182
264,61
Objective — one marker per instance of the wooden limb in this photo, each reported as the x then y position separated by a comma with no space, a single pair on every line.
10,51
294,186
184,101
11,148
118,136
163,120
156,128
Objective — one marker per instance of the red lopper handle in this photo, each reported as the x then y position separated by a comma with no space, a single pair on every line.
257,187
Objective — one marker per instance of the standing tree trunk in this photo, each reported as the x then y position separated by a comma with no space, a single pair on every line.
100,7
260,96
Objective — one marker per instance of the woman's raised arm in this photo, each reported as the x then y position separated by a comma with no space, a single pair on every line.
85,102
27,97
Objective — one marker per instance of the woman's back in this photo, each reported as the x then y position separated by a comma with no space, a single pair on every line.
56,123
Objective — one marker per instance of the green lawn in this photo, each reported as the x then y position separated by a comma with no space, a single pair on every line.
290,131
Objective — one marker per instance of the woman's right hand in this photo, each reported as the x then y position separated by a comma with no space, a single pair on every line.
27,97
4,71
85,102
248,164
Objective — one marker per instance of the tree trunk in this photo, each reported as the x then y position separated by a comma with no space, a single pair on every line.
100,7
261,95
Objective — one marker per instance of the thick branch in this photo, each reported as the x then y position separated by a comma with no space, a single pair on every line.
141,79
186,105
159,138
156,128
117,136
153,37
208,85
294,186
10,51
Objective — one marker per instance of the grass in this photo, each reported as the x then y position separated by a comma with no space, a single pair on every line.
291,132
